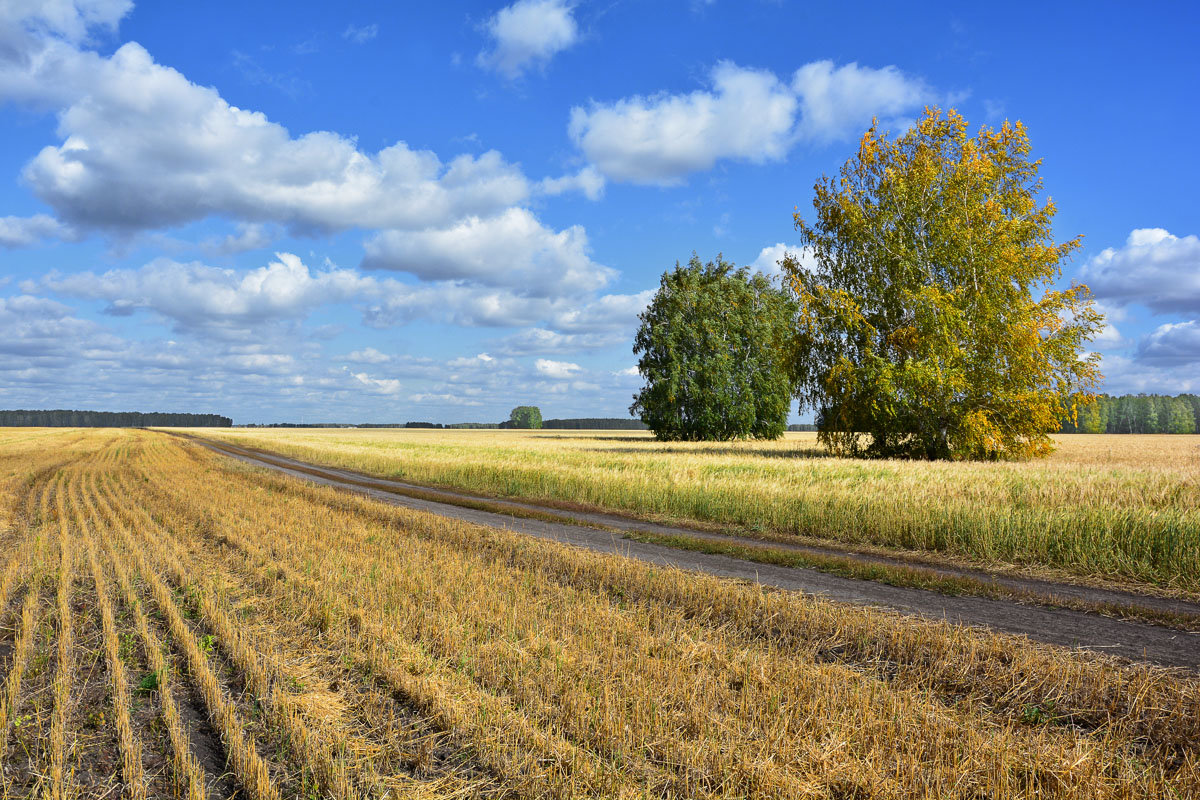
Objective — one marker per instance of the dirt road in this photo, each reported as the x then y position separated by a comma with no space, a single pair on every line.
1058,626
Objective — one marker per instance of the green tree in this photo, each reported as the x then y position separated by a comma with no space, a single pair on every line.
714,346
928,327
1181,419
525,417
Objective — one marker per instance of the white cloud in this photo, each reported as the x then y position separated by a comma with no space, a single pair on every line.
35,327
770,256
368,355
143,147
1154,269
25,231
480,306
197,295
249,236
528,33
444,399
1175,344
556,369
511,249
376,385
540,341
588,181
72,20
747,114
608,312
1109,338
839,102
360,34
1124,375
628,372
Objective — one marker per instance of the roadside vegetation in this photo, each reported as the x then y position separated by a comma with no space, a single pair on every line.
233,630
1114,509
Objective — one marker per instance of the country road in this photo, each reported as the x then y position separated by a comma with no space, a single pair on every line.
1058,626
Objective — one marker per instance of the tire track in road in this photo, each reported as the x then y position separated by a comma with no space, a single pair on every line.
1137,641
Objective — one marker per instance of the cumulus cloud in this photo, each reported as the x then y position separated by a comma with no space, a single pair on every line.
144,148
1175,344
528,33
588,181
511,249
376,385
1154,269
540,341
25,231
197,295
608,312
39,327
770,256
72,20
481,306
556,369
746,114
249,236
443,399
368,355
838,103
1124,375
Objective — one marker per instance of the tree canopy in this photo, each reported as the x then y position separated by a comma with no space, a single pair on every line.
714,346
929,326
525,417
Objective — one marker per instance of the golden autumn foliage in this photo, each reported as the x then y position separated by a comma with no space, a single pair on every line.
931,326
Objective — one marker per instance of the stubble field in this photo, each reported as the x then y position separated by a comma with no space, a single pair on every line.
1110,508
173,624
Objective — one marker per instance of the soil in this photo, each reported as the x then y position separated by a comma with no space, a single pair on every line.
1135,640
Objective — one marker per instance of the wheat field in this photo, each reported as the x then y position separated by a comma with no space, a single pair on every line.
1117,508
173,624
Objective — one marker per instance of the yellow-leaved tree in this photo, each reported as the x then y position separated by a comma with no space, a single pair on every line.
929,324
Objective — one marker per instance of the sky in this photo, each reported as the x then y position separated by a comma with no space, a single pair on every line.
382,212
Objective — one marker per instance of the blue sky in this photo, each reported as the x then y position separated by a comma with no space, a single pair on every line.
420,211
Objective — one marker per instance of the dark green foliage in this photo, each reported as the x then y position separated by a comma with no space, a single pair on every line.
61,418
595,424
714,347
525,417
1138,413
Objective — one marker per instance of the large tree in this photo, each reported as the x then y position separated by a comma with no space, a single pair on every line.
714,348
929,324
525,417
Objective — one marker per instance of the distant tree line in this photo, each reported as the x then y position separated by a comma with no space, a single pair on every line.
1138,413
62,418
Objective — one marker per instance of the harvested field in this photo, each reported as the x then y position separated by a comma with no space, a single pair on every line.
173,624
1107,509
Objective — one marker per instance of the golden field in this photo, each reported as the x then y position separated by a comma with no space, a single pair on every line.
1120,508
173,624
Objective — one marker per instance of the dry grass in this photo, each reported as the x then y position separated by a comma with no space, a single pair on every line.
1125,508
339,647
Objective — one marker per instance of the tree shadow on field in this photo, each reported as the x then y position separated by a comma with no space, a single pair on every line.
637,445
646,439
711,450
